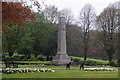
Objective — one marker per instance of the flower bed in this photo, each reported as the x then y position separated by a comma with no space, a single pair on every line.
100,69
24,70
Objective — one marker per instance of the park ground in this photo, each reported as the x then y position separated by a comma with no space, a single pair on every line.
61,72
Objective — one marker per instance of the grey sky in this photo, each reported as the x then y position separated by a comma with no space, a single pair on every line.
77,5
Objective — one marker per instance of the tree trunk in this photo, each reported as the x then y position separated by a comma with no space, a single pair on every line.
36,55
110,57
85,53
119,45
28,56
110,53
11,54
47,58
85,57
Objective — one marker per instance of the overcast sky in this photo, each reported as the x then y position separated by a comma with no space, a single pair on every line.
77,5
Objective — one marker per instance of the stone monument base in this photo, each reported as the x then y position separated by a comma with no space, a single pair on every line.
61,59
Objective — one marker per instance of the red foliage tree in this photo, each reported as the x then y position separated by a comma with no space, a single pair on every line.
17,13
13,13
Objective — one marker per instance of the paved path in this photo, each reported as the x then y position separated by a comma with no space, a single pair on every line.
53,69
65,69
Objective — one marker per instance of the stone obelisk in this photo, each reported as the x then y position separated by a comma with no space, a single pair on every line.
61,57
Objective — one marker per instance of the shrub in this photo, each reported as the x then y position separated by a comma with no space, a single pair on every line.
71,58
50,58
31,59
113,63
3,57
101,64
91,62
118,62
16,58
41,58
23,58
8,59
76,60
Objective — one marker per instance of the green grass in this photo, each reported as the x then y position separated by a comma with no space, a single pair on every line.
97,60
1,62
61,73
49,67
30,62
64,74
33,61
45,66
52,67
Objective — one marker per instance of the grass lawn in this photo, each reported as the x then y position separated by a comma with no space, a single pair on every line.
51,66
65,74
97,60
30,62
44,66
62,73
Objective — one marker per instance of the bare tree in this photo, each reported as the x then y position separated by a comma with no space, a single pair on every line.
86,19
51,14
107,23
118,6
69,17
